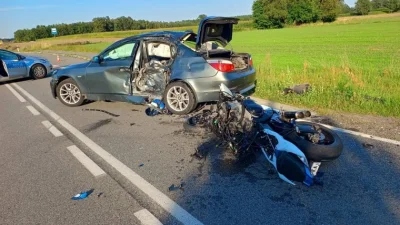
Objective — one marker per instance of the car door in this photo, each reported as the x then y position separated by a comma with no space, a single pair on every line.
14,66
110,75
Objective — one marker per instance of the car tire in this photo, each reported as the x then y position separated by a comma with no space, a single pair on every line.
179,98
38,71
69,93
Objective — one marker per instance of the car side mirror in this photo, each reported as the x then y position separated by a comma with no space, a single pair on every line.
96,59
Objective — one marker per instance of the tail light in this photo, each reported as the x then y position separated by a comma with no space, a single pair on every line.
251,62
222,65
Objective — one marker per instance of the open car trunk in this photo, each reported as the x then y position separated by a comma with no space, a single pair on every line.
214,35
240,61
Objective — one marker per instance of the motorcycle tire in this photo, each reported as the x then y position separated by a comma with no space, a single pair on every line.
314,151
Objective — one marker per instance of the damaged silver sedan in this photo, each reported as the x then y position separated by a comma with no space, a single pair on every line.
182,69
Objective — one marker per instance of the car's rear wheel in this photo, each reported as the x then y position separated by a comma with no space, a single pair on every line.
179,98
38,71
69,93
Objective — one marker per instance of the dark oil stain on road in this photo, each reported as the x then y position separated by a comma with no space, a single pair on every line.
98,124
231,167
100,110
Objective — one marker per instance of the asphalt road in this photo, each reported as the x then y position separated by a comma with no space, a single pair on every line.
40,174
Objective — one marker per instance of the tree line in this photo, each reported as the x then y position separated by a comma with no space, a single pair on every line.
103,24
277,13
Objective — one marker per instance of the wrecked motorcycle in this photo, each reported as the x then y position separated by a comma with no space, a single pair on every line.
295,148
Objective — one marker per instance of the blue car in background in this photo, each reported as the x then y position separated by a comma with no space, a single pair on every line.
15,66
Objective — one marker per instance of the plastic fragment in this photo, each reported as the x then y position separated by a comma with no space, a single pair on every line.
141,165
366,145
174,188
82,195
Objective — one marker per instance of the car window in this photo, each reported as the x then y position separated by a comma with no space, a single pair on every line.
8,56
121,52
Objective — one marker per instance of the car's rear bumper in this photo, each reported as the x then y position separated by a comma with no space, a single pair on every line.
207,89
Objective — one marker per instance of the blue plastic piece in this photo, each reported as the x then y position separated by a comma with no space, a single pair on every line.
151,112
83,195
309,180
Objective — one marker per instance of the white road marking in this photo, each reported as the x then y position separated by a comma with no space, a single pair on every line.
86,161
20,98
146,218
33,110
52,128
157,196
358,134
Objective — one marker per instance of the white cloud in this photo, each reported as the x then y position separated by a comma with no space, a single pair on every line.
15,8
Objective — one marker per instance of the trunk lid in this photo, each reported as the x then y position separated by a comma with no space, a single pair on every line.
215,29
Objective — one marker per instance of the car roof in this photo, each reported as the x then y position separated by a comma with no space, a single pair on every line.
175,35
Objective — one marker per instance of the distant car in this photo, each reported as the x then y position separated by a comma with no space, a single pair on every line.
15,66
181,68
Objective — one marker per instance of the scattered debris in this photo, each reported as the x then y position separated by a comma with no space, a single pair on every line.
142,164
298,89
99,194
100,110
132,124
135,110
366,145
156,107
82,195
174,188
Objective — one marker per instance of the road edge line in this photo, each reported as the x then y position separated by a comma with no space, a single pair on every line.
355,133
152,192
16,94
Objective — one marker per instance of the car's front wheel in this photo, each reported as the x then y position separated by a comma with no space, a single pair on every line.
179,98
38,71
69,93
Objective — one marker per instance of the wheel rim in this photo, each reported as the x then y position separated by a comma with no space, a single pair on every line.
325,138
178,98
39,71
70,93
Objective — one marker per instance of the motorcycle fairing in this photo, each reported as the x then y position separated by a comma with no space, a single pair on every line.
288,147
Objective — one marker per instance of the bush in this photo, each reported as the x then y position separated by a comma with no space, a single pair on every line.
383,9
363,7
329,10
302,11
269,13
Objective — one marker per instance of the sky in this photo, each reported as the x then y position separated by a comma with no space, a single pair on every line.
21,14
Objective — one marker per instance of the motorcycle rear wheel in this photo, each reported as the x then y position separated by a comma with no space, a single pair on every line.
325,150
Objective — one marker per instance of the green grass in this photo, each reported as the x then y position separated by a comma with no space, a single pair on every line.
352,67
352,64
92,47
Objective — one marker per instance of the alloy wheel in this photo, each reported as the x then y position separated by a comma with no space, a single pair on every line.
178,98
70,93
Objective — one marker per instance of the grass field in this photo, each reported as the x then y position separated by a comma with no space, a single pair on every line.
352,64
